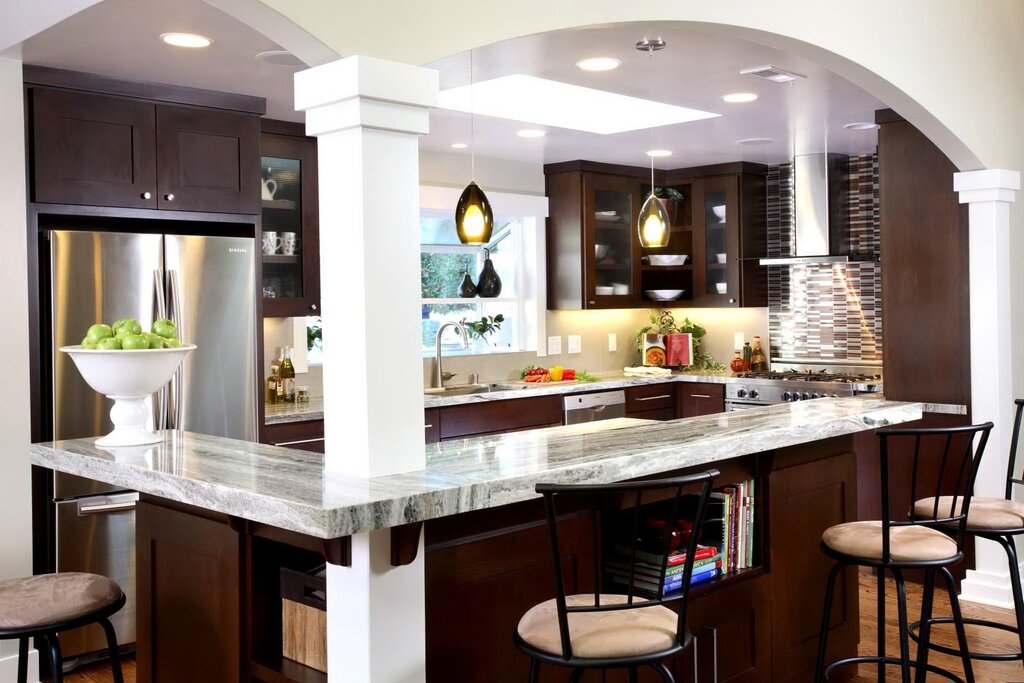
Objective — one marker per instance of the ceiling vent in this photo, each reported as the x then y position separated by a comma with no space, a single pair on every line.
280,58
772,73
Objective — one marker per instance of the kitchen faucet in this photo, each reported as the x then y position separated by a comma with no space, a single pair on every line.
439,375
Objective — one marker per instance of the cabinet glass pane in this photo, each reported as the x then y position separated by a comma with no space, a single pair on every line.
716,258
282,228
613,242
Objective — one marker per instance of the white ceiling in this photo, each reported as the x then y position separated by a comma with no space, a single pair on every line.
120,38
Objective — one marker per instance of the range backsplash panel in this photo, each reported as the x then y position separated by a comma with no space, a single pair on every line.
826,311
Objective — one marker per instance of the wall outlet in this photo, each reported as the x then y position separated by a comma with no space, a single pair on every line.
575,343
554,345
613,341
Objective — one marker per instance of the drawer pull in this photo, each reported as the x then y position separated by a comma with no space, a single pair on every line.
700,395
653,398
300,441
428,426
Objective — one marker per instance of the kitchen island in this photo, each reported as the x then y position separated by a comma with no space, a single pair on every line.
238,512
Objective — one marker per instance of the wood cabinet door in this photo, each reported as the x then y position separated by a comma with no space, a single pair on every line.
189,597
611,208
716,280
494,417
306,436
207,160
93,149
803,501
432,425
699,398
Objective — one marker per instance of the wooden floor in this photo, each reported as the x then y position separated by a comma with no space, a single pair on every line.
984,672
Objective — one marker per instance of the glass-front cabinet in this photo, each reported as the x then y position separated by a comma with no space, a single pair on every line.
290,225
719,234
612,245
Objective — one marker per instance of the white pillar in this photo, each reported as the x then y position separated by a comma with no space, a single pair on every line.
367,115
989,194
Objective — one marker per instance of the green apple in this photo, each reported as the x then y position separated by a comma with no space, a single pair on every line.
134,342
131,325
99,331
172,343
155,340
109,344
166,329
88,344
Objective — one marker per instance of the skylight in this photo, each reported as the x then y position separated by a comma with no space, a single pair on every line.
550,103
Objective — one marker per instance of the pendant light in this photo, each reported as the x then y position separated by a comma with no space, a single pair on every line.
474,220
654,222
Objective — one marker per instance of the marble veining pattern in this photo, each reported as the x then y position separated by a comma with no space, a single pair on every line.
290,489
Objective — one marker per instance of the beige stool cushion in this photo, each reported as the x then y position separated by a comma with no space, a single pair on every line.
906,543
986,513
39,601
618,633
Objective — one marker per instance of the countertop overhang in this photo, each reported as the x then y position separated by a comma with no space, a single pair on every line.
290,488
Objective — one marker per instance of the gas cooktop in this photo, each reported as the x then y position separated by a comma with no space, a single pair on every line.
790,384
814,376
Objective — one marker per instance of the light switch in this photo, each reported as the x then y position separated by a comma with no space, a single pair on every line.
554,345
613,341
575,343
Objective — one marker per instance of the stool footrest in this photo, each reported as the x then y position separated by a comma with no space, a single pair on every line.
889,661
982,656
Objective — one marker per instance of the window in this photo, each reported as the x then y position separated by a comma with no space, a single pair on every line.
516,253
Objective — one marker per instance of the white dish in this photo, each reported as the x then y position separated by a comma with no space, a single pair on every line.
620,288
607,213
601,250
719,212
721,287
663,294
604,291
720,257
607,216
667,259
128,377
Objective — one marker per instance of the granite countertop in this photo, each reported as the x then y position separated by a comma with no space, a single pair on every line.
290,489
282,413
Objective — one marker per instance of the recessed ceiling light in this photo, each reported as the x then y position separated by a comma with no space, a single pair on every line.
737,97
459,145
861,125
186,40
550,103
599,63
659,152
530,133
280,58
755,141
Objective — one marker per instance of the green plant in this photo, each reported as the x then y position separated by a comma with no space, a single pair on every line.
487,325
665,323
314,336
668,193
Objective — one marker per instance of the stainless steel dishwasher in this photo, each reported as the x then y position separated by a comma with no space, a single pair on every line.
603,405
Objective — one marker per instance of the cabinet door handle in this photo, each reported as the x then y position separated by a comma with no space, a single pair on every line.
653,398
169,197
296,443
696,677
700,395
312,307
714,652
732,301
147,195
428,426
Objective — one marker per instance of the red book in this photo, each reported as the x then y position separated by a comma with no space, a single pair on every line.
701,554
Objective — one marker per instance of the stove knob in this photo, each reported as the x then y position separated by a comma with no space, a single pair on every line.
785,396
754,393
805,396
815,395
796,396
741,393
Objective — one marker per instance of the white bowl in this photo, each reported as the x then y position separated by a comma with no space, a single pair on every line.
128,377
667,259
604,291
663,294
620,288
601,250
721,257
721,287
719,212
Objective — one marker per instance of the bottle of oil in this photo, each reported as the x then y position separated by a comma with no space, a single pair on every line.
287,372
758,361
272,383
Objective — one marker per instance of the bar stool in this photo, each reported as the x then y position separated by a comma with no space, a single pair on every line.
999,520
931,541
603,630
45,605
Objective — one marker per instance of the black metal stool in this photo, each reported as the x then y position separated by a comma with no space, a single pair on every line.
931,541
602,630
43,606
999,520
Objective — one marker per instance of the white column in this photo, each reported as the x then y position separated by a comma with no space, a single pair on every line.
367,115
989,194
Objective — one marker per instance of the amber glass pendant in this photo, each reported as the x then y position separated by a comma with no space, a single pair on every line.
654,223
474,220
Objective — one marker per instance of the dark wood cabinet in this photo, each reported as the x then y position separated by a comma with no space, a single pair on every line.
494,417
189,596
594,255
432,425
307,436
207,160
651,402
700,398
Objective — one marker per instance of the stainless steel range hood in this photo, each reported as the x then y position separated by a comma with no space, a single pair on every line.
822,213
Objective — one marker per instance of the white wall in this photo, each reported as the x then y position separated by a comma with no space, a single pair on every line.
15,471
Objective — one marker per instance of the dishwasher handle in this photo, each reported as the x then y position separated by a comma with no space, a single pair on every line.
97,505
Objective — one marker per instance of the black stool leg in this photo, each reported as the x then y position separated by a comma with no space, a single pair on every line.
115,655
901,605
577,674
23,659
632,674
826,617
56,661
958,620
666,675
1018,598
925,633
880,651
534,670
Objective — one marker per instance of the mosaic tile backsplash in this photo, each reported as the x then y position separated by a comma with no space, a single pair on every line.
826,311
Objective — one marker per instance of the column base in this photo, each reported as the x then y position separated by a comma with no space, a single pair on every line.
987,588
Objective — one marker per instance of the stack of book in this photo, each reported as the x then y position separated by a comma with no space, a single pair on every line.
733,508
646,570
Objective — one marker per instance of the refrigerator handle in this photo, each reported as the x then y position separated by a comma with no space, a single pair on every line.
179,374
159,313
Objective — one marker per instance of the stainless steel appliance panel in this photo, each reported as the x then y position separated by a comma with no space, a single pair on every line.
603,405
95,276
211,285
97,535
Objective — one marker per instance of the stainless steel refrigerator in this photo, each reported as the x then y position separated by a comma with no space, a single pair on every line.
207,286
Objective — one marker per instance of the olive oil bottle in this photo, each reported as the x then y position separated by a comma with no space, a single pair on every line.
287,373
272,382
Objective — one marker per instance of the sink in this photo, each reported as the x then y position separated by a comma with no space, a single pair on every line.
460,390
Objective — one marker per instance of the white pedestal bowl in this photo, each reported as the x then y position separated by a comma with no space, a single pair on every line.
129,378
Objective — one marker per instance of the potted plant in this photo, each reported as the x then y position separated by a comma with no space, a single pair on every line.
671,198
480,329
665,323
